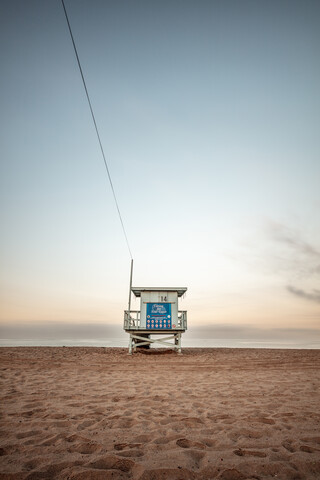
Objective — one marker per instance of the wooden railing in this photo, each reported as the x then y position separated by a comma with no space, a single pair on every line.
182,319
132,320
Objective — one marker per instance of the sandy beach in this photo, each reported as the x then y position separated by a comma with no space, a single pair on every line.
95,413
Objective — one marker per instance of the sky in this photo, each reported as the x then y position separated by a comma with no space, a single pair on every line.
209,115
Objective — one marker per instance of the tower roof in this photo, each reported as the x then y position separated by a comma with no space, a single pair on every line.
137,290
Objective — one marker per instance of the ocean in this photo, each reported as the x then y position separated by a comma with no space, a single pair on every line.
186,343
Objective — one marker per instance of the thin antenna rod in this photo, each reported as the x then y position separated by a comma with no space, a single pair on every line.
129,304
96,127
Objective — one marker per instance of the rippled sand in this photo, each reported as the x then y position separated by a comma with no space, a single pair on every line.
94,413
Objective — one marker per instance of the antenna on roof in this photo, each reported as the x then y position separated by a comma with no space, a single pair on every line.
129,303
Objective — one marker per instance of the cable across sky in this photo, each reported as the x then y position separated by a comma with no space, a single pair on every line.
96,128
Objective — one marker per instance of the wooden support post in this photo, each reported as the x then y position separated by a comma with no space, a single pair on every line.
130,345
176,341
179,344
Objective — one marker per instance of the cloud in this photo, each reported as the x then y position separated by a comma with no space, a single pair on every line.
314,295
295,259
292,238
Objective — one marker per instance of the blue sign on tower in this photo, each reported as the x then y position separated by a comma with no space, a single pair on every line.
158,316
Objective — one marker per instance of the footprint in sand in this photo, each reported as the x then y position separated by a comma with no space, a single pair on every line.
58,416
251,434
264,420
288,446
111,462
232,474
306,448
250,453
131,453
191,422
208,442
122,446
161,440
76,438
185,443
27,414
311,440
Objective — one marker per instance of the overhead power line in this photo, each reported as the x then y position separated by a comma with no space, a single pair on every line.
96,127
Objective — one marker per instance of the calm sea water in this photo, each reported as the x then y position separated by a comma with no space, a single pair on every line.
187,343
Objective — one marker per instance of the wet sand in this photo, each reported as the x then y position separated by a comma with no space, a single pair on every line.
94,413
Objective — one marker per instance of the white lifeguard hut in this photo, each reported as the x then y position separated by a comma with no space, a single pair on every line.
159,315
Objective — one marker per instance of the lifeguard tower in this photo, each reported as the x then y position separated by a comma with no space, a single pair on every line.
158,315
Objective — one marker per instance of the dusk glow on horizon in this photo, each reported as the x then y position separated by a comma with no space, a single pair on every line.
209,115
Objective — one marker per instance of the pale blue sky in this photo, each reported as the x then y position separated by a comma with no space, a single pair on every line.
209,114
